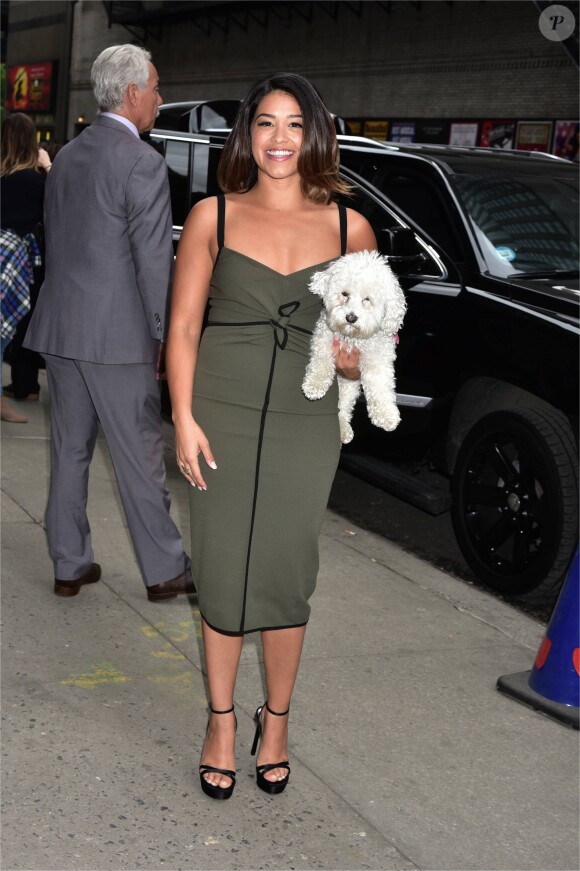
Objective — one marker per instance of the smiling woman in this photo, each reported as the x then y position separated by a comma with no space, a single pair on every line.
318,149
249,255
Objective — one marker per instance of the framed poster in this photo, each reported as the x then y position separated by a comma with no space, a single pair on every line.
402,131
463,133
354,126
29,87
566,140
376,130
497,134
533,135
433,130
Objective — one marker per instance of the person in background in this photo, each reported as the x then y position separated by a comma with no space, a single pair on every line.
100,323
18,258
22,179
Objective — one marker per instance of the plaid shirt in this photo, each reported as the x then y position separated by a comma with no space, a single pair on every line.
18,256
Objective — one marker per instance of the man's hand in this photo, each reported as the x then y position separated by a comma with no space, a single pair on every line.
160,370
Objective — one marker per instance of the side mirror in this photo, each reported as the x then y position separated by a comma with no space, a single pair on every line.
402,250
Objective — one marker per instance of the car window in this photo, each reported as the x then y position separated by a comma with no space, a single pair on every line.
413,190
524,223
192,172
177,160
421,201
382,220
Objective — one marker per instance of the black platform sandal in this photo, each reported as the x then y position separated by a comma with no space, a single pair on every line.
219,792
273,787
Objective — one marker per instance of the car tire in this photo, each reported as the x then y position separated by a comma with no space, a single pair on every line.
515,500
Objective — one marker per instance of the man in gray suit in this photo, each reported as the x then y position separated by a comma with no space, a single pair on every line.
99,322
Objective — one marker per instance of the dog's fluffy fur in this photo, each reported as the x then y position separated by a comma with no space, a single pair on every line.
364,307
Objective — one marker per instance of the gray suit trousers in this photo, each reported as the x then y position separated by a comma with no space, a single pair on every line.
125,400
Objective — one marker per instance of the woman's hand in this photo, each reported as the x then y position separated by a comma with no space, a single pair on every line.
190,442
44,161
346,360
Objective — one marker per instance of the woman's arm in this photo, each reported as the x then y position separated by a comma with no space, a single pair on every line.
361,237
193,269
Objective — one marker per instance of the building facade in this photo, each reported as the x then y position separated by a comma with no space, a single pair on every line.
396,64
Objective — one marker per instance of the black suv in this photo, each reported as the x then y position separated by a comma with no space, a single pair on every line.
485,244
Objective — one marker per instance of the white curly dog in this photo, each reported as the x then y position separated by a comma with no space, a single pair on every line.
364,305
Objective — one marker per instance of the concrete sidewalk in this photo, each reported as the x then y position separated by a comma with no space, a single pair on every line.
403,754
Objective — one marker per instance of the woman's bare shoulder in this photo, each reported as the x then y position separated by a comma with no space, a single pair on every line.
202,219
205,210
361,235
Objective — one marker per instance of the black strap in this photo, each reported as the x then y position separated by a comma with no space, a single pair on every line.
221,221
342,218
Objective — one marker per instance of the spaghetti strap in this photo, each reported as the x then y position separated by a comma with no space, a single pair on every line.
343,228
221,221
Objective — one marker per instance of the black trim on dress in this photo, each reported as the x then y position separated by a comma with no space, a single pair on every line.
280,333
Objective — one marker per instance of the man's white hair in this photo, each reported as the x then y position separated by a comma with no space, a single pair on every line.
114,70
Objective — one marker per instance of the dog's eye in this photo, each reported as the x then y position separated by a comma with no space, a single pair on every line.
345,294
367,299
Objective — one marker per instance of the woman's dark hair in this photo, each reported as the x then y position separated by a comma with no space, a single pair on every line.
318,159
19,145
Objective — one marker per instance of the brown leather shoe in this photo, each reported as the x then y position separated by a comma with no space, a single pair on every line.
30,397
183,583
71,588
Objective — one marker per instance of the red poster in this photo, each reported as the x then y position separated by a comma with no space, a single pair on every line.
30,87
497,134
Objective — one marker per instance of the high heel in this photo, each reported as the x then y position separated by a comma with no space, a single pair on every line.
219,792
271,786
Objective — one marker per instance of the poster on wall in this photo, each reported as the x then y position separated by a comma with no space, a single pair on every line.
533,135
29,87
376,130
355,126
402,131
566,140
433,130
497,134
463,133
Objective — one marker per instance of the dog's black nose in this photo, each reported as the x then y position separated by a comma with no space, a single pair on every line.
351,318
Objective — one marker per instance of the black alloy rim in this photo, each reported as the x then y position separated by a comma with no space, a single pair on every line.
506,505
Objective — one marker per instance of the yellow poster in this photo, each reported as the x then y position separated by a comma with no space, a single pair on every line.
376,130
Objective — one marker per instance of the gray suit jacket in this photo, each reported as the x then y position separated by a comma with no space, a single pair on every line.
108,250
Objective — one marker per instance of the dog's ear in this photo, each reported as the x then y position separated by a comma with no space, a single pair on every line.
318,284
396,302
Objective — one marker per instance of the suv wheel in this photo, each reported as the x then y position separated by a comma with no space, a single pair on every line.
515,492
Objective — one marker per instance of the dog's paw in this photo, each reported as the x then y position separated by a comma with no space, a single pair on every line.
386,419
313,391
346,432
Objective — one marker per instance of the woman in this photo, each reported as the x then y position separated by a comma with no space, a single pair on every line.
22,192
273,453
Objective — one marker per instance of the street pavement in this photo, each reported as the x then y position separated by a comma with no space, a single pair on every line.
403,754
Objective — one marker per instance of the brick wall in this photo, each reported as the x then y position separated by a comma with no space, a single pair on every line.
444,60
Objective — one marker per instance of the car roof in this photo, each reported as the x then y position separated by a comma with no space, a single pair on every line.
186,117
459,158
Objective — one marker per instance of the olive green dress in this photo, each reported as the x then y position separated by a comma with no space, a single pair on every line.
254,532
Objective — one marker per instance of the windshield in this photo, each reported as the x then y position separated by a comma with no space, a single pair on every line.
524,223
